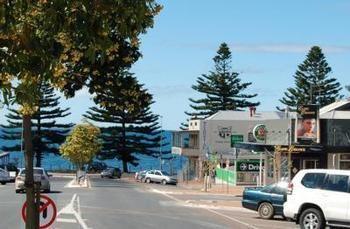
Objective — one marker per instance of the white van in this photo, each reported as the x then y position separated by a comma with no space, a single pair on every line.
319,197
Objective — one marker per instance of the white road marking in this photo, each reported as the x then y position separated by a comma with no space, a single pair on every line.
206,208
69,209
62,220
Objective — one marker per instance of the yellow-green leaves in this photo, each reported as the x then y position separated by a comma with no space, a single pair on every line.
82,144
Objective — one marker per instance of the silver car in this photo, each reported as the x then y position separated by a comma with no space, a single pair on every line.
39,174
159,177
4,176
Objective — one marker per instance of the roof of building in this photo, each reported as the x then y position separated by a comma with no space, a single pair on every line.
341,106
245,115
337,110
336,115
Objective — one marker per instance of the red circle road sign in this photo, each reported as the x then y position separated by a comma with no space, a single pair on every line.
46,205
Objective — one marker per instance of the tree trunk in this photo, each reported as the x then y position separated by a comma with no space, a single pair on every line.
38,147
124,151
32,215
125,166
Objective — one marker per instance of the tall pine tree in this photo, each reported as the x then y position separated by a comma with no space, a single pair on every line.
222,88
313,84
47,133
132,127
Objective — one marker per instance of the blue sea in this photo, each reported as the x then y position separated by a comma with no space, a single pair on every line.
57,163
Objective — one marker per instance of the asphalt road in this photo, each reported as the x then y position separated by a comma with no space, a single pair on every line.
114,204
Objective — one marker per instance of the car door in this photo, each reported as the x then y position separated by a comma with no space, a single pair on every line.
334,197
150,175
158,176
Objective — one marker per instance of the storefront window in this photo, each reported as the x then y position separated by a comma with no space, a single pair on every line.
344,162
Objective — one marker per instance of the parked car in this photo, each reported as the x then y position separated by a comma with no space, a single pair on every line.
267,201
319,197
96,167
139,176
12,169
39,173
4,176
159,177
111,173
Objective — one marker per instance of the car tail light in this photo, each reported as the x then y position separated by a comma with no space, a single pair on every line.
290,188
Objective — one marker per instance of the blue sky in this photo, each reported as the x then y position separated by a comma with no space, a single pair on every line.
268,40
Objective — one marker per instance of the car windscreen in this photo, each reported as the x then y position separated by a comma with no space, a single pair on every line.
267,188
165,173
36,172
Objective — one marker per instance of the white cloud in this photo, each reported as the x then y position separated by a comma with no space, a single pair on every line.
171,90
287,48
271,47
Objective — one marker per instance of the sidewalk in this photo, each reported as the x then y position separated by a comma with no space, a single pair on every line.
215,188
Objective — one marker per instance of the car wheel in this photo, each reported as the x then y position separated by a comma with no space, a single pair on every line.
266,210
311,218
18,191
163,182
3,183
148,180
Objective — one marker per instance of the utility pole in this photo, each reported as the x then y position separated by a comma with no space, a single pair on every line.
160,142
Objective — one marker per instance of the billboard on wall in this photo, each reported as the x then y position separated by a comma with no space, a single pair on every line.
307,123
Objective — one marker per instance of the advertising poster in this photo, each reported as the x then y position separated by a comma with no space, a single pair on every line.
306,128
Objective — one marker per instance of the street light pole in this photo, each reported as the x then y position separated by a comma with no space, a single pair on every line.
160,142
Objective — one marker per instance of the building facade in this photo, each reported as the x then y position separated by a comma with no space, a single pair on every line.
262,147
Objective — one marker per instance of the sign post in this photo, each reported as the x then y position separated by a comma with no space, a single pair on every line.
47,212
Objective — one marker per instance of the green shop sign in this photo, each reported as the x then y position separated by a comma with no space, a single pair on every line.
236,139
248,166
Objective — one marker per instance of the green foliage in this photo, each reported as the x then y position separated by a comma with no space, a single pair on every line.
347,87
313,84
222,88
132,128
69,43
47,133
82,144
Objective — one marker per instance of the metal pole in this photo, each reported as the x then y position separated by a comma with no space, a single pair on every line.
160,141
260,169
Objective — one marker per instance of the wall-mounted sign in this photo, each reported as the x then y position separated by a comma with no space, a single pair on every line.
290,149
224,132
251,137
259,132
306,129
236,139
248,166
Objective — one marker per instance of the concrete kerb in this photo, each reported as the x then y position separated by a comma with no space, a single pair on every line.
63,175
84,184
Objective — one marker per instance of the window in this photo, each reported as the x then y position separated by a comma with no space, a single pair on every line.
278,190
338,183
268,188
313,180
151,172
344,162
158,173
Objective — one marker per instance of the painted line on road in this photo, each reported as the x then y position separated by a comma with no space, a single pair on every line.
62,220
69,209
210,210
232,219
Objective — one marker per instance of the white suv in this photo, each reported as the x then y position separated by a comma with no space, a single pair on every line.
319,197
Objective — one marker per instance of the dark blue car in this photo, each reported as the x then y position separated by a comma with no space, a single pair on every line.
268,200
